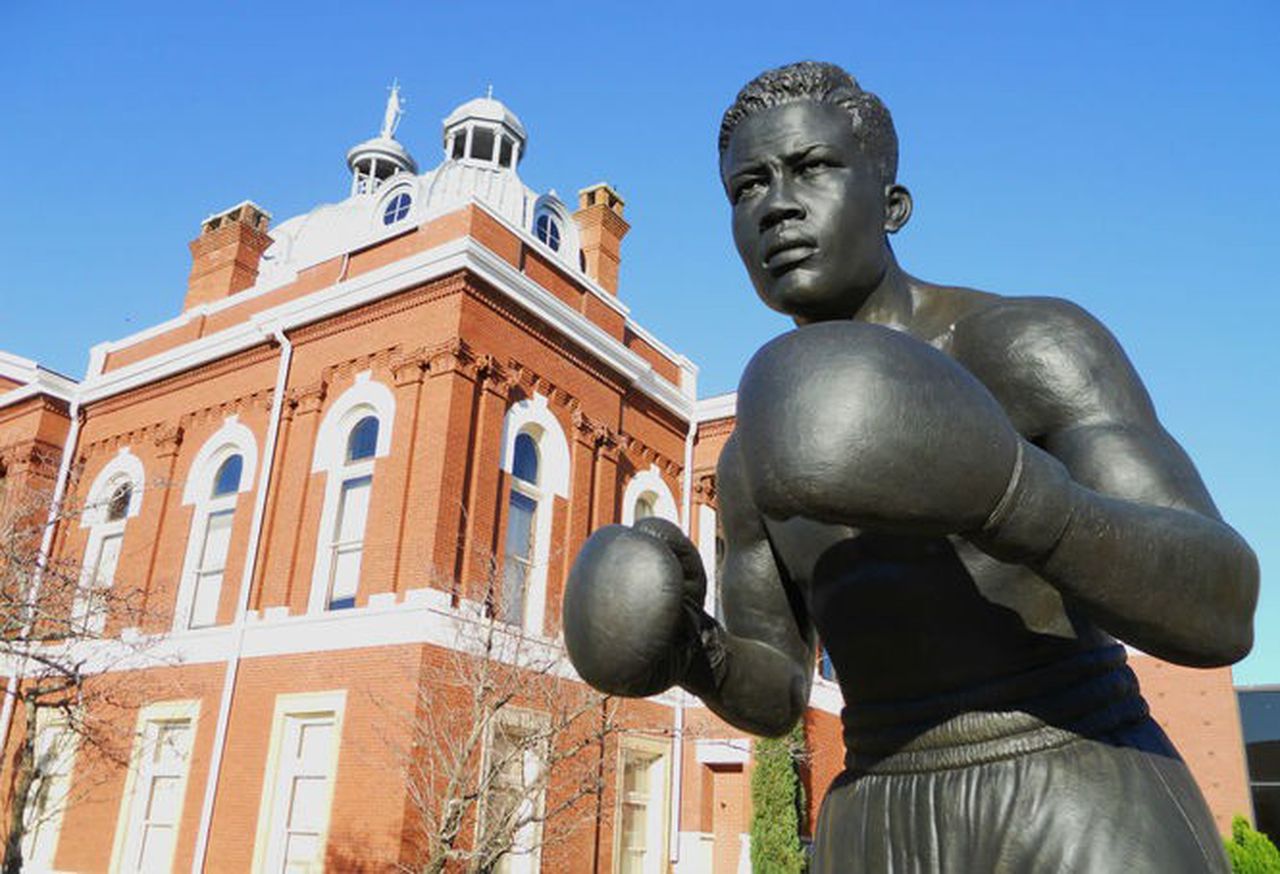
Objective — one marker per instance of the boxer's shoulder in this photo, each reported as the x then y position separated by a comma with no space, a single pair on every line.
1051,364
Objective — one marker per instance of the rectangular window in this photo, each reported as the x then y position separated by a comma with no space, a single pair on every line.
640,839
348,542
155,788
90,609
54,755
302,764
209,572
514,793
518,566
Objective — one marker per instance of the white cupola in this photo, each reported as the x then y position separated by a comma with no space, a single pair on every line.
483,131
376,160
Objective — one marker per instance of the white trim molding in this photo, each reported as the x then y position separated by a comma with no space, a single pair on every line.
125,467
366,397
534,416
267,843
186,712
649,483
231,439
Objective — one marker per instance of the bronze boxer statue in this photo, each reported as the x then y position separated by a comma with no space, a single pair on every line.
968,498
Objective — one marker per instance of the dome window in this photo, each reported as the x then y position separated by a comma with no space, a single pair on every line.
397,208
547,230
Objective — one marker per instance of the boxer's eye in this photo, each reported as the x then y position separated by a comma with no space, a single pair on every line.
815,166
747,188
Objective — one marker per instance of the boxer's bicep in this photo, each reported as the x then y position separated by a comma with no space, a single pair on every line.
758,602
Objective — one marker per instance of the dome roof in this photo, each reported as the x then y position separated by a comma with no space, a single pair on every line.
486,109
383,147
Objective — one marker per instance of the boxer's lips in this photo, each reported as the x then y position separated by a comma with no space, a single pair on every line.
786,254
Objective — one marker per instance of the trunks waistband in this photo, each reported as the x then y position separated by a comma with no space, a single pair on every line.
1084,696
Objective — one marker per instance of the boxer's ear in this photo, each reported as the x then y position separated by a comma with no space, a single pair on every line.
897,207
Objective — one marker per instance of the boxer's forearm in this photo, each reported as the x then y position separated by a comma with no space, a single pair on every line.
745,682
1172,582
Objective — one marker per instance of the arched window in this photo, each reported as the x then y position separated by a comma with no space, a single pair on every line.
362,442
547,229
536,455
397,208
355,433
347,545
113,499
522,512
214,482
227,481
118,506
647,494
645,506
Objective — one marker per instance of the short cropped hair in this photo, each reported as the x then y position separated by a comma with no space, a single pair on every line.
822,83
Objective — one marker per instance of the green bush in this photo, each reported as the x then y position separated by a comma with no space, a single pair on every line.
1250,851
777,805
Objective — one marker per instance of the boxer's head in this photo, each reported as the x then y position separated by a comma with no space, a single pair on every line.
808,161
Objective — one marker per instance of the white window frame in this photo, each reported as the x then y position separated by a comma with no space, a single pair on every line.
658,802
533,416
268,844
37,854
570,241
525,856
366,397
124,469
233,438
128,824
649,484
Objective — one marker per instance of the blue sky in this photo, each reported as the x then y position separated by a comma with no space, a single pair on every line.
1119,154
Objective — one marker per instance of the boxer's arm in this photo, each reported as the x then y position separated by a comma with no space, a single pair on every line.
1112,512
755,671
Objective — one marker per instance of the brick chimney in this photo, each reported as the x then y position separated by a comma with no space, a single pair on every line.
224,258
601,228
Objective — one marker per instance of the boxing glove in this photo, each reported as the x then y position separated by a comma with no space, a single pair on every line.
632,606
857,424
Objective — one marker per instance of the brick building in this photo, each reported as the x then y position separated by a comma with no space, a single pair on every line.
306,473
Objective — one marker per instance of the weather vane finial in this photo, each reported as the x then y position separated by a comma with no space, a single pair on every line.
489,92
395,109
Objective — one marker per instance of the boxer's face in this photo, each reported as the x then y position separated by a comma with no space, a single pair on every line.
808,210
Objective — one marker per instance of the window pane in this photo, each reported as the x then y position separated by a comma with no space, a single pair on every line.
227,481
303,849
162,806
348,546
315,747
307,808
459,144
524,462
513,591
118,508
520,526
363,441
104,573
482,143
504,156
353,509
157,848
217,537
